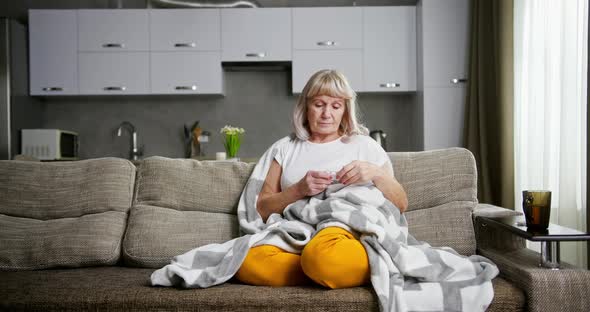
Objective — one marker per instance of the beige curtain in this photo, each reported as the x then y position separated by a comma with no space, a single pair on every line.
489,106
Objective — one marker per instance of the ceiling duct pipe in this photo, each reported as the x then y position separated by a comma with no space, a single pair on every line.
202,4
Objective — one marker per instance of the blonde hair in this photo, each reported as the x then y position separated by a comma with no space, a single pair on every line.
331,83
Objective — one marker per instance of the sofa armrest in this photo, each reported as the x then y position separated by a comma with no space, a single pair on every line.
488,237
492,211
566,289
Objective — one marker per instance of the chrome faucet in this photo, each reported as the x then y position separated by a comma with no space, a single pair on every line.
135,151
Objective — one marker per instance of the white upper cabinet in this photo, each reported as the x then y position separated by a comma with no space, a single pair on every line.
389,55
53,52
163,50
256,34
327,28
185,30
113,30
445,42
327,38
114,73
186,72
307,62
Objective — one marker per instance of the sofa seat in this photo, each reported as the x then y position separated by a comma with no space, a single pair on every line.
128,289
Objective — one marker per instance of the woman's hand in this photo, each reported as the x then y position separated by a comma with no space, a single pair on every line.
314,182
363,172
358,171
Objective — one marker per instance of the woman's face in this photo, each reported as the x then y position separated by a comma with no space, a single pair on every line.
324,114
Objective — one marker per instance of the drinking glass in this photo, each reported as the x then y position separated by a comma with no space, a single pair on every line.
537,208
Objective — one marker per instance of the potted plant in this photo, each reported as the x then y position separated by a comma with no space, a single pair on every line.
232,139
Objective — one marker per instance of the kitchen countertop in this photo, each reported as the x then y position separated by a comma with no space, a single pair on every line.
212,158
206,158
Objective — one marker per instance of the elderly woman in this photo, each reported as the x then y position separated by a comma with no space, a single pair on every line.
330,146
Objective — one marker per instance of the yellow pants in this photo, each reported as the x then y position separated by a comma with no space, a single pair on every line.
333,258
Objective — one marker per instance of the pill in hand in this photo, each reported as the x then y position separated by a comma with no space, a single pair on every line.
333,175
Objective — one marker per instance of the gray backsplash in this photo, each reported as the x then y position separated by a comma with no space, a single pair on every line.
25,111
258,101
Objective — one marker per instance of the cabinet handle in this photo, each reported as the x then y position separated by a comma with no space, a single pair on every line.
185,45
326,43
458,80
121,88
260,55
193,87
389,85
113,45
51,89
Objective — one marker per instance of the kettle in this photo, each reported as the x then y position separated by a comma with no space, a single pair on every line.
379,136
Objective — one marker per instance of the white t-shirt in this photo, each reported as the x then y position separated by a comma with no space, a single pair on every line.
297,157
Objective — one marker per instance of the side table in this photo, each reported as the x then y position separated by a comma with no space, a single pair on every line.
549,238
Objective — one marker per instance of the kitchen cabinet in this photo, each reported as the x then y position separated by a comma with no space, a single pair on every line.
327,28
185,30
113,30
389,49
445,42
256,34
327,38
185,51
75,51
114,72
186,73
444,57
53,52
307,62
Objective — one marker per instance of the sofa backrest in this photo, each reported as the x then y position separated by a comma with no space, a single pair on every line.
442,192
181,204
63,214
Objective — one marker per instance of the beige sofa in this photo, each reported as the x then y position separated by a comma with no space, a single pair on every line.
86,235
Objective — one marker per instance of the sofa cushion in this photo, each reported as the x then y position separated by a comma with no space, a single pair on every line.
63,214
127,289
157,234
191,185
436,177
69,189
445,225
442,193
182,204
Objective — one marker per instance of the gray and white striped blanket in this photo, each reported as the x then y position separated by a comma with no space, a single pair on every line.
406,275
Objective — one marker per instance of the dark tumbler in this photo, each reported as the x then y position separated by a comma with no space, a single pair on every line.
537,209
